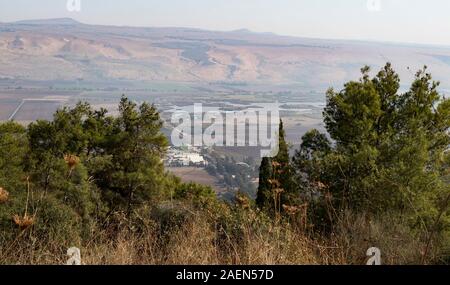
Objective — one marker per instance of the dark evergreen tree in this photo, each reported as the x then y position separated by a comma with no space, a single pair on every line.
307,162
389,146
264,194
275,179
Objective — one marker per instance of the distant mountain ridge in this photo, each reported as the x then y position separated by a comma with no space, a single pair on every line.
64,49
58,21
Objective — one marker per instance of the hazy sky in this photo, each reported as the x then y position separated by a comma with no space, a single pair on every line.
419,21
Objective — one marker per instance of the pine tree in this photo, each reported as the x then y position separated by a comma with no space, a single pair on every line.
135,147
389,146
263,197
275,176
307,162
283,171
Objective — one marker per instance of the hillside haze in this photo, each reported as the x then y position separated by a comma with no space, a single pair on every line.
66,50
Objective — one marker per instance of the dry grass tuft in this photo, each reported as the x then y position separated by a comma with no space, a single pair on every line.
23,222
3,195
71,160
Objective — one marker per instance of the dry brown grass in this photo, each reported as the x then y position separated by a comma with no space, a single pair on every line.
200,241
196,243
397,242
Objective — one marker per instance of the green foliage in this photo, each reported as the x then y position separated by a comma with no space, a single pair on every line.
13,149
309,158
196,193
133,166
264,195
70,174
282,168
58,222
275,179
232,174
389,150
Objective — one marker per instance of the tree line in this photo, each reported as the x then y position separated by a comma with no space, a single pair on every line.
67,177
385,151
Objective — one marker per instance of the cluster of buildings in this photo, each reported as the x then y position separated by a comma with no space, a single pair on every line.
185,156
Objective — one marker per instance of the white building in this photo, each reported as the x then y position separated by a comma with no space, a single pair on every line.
177,157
